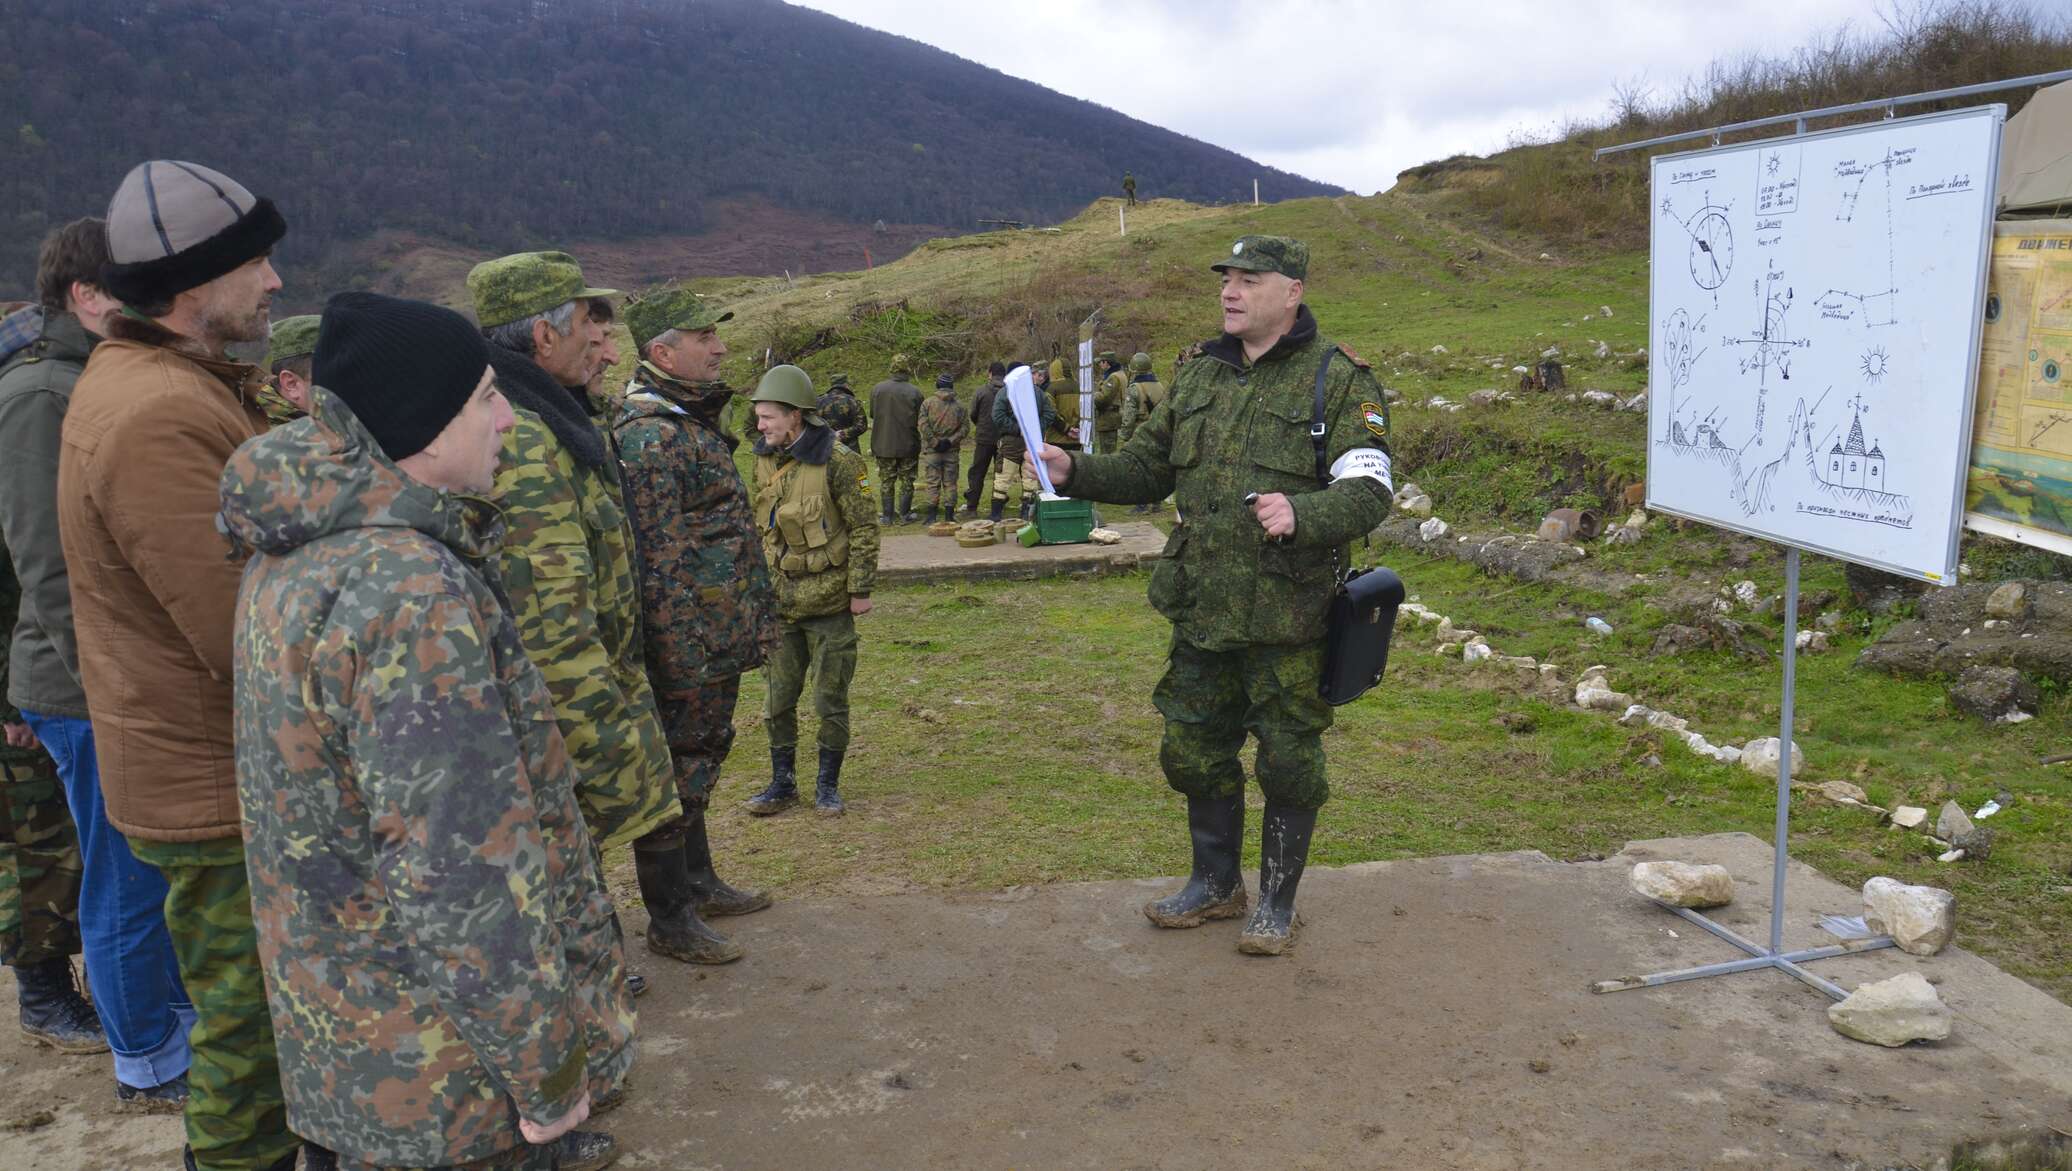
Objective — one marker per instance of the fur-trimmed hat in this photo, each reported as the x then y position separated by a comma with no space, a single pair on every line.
174,226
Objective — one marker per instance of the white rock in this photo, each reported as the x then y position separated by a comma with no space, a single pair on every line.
1520,370
1602,351
2017,716
1667,722
1892,1012
1842,792
1760,757
1433,529
1681,884
1728,755
1698,744
1589,316
1418,505
1637,519
1476,651
1600,398
1604,310
1920,919
1745,592
1551,352
1544,256
1438,349
1909,816
1410,488
1636,715
1952,823
1951,856
1591,695
1813,642
1637,404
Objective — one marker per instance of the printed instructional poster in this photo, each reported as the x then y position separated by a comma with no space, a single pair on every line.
1816,302
2020,485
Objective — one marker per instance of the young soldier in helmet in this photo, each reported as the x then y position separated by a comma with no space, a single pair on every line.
813,505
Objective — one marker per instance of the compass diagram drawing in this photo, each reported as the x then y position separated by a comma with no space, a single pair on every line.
1769,350
1712,243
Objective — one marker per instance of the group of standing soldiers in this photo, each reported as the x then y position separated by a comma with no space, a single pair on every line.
337,677
915,435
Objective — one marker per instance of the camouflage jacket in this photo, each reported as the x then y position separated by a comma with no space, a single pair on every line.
1144,395
854,514
1233,427
705,595
943,419
276,405
568,564
437,944
844,414
1109,393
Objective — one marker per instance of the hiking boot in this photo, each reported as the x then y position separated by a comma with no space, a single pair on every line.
674,928
714,896
1216,886
585,1150
53,1012
636,984
599,1107
783,790
169,1097
827,799
1284,834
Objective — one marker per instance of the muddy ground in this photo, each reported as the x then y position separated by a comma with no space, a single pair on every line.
1435,1015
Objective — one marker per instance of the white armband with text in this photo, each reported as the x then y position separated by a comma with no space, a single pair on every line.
1369,462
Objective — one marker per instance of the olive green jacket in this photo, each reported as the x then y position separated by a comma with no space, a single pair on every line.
35,391
827,591
1230,428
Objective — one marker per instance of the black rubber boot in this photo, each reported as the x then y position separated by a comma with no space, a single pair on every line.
999,506
585,1150
885,507
827,797
674,929
907,515
783,791
53,1012
1216,887
714,896
1027,504
1283,853
929,519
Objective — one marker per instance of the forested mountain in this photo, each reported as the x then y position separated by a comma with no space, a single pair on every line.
501,124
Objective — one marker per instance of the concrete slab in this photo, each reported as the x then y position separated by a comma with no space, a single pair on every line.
1435,1015
912,556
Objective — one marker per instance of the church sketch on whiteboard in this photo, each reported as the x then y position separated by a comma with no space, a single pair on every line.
1815,301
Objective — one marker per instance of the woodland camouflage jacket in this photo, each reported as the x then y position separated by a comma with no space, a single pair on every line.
568,564
436,941
705,591
1231,427
943,420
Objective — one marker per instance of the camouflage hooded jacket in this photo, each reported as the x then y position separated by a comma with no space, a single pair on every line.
844,414
436,941
1231,427
705,590
943,419
568,564
809,594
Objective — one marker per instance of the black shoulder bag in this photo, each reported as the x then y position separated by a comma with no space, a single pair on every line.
1363,605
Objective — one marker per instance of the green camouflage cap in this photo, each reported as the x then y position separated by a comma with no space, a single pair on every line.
292,337
1281,254
838,380
658,311
517,286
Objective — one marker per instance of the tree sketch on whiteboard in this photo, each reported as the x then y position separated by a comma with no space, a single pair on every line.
1680,348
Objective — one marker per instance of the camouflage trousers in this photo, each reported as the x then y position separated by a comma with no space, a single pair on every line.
939,479
1107,442
826,647
237,1119
1211,699
700,727
524,1157
39,862
1011,471
897,472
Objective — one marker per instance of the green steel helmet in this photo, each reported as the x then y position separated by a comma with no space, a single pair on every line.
788,385
1140,363
901,367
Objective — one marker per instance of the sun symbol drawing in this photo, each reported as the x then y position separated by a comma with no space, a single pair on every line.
1874,365
1773,164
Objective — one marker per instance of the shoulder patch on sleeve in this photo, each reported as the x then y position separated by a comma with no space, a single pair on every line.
1355,358
1375,418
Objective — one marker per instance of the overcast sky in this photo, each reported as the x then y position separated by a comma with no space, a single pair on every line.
1353,91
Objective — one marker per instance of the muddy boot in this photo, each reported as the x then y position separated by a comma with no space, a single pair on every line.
1216,887
674,929
53,1012
1283,853
907,515
585,1150
714,897
885,507
636,984
168,1097
612,1100
999,506
827,799
783,792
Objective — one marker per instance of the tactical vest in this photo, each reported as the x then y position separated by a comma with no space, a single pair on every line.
801,531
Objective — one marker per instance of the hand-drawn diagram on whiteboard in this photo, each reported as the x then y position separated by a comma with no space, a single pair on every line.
1814,386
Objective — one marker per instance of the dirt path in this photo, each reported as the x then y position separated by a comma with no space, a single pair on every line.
1435,1016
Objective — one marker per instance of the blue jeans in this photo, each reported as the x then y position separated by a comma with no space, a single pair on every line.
129,957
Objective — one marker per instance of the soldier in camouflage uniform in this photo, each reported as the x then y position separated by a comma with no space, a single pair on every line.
444,970
1247,583
839,406
944,424
896,441
813,505
289,345
1144,395
567,558
1064,395
1109,389
710,611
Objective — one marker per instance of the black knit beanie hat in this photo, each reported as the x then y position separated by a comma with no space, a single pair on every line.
944,382
406,368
